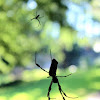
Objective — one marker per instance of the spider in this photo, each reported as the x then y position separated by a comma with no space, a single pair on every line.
52,73
37,17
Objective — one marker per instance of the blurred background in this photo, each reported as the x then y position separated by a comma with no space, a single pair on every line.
69,28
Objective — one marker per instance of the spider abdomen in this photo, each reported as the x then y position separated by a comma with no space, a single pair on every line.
37,16
55,80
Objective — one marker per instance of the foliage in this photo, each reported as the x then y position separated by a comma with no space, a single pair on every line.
20,38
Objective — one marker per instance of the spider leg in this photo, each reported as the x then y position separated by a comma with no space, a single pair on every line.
36,13
60,90
64,93
39,65
65,76
49,91
50,55
32,19
41,16
39,22
68,96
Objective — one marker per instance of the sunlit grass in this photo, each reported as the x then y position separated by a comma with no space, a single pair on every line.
3,98
34,75
20,96
35,86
